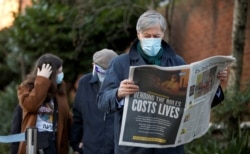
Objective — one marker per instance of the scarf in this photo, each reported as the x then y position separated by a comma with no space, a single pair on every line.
156,60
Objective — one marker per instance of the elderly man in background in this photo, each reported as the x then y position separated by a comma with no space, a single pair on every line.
92,130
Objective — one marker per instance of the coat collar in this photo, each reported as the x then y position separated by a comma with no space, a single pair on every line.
94,78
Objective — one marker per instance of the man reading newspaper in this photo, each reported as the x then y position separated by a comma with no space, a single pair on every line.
148,49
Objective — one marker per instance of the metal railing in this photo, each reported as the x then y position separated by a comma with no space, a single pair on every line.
31,140
30,137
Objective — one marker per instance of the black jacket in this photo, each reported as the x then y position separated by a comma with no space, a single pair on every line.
16,127
118,71
90,125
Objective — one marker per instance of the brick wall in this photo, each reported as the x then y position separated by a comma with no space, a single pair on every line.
203,28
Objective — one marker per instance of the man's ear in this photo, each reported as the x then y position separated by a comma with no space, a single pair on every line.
138,36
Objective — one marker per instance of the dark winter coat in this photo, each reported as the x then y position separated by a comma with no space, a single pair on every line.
118,71
16,125
90,125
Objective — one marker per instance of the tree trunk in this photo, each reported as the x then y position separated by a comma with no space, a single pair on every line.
238,43
169,16
20,4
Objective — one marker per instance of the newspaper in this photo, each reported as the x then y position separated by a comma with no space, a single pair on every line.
173,105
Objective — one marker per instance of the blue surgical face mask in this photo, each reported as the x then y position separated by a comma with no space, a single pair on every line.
59,78
151,46
100,72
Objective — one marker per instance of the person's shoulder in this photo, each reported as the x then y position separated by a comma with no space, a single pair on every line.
85,77
120,60
174,56
121,57
25,85
180,59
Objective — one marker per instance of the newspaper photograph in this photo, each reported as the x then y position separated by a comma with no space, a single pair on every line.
173,104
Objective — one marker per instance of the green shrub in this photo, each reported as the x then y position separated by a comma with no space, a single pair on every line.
8,101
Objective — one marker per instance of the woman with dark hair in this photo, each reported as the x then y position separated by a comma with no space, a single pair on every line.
42,97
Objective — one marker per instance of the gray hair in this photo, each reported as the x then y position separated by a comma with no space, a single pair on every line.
150,18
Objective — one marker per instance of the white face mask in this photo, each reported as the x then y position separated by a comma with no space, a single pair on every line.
151,46
59,78
100,72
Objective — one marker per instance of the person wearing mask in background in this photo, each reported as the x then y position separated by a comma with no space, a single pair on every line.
42,97
92,129
148,49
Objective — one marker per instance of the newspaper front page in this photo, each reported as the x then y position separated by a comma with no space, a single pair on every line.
173,105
